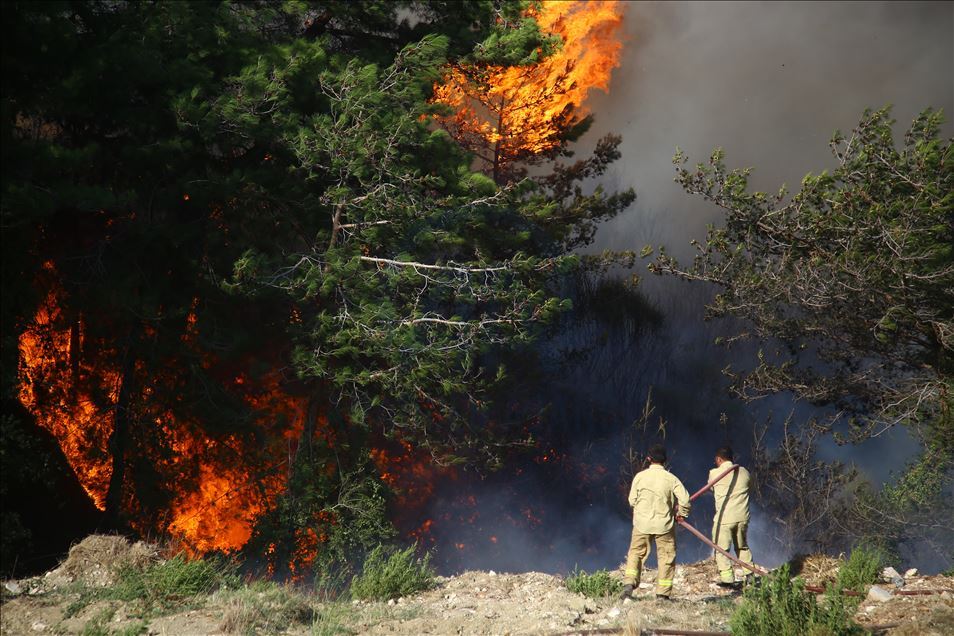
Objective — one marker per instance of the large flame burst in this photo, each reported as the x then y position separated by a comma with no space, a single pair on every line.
507,114
71,385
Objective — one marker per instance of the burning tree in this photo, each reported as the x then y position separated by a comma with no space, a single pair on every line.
243,259
516,114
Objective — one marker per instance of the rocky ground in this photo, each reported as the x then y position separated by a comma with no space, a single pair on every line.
63,601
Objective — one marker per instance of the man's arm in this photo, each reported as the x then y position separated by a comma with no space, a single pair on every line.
682,499
633,492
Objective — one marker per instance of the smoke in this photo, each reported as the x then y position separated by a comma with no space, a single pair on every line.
769,83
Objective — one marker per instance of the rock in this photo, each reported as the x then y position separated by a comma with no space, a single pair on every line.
38,626
13,587
613,613
890,574
909,573
879,594
391,601
492,573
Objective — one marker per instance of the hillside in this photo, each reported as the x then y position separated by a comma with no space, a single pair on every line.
83,596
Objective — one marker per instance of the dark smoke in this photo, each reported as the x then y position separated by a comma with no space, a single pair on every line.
769,83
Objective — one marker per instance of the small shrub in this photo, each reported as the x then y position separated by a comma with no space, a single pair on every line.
98,626
331,620
263,608
595,585
173,580
390,573
860,571
779,606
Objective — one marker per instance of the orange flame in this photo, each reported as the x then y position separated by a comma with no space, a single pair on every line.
70,399
505,114
73,393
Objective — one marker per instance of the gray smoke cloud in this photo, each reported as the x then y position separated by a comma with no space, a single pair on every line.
769,83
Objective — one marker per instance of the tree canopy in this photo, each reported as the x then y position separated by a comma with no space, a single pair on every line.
208,205
854,273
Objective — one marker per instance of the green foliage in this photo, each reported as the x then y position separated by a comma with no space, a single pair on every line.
596,584
173,580
264,607
334,507
99,624
854,269
780,606
861,570
392,573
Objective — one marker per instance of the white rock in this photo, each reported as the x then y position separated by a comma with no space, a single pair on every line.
909,573
613,613
13,587
889,573
391,601
492,573
38,626
879,594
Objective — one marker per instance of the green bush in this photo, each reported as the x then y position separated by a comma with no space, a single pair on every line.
860,571
173,580
595,585
390,573
779,606
162,585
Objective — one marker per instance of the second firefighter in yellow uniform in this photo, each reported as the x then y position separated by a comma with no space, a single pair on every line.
654,495
731,522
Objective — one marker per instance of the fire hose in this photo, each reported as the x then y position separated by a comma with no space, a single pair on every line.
754,568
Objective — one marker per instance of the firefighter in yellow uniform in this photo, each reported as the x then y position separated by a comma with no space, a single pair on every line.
654,495
731,522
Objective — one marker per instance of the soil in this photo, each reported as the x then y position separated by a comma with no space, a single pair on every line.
474,602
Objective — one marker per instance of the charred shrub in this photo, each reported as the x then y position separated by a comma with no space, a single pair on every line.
392,573
594,585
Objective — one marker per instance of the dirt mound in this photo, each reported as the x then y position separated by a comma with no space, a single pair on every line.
98,558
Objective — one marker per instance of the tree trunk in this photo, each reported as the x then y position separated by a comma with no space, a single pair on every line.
498,176
75,354
119,439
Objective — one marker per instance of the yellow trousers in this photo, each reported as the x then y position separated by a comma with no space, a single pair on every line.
725,536
665,555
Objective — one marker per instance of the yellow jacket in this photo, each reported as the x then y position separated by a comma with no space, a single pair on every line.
731,495
653,495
